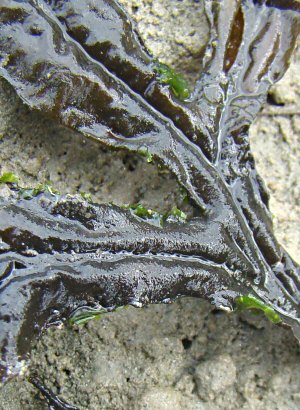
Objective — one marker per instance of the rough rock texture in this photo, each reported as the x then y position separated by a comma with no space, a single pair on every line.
175,31
180,356
275,144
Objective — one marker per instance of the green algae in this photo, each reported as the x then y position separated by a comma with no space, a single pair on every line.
177,83
155,217
253,303
8,178
26,192
87,314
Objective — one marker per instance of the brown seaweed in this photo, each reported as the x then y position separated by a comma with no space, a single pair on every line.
83,64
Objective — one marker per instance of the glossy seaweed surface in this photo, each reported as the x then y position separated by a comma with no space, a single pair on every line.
83,64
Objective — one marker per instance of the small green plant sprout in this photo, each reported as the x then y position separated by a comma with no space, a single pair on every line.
176,82
8,178
251,302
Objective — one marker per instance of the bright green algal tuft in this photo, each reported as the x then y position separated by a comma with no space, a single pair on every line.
88,313
149,215
176,82
86,316
155,217
144,152
251,302
86,196
27,193
178,214
8,178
